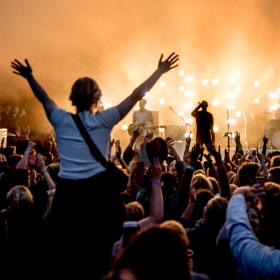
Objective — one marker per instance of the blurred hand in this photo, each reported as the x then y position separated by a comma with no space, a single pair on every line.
21,69
40,162
169,63
265,140
237,137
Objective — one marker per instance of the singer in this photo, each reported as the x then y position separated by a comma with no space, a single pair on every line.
204,125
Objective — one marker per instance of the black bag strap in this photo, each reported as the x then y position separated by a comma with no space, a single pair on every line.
92,147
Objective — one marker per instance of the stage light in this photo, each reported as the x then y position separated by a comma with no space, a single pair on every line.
231,94
162,101
147,94
215,102
256,101
181,88
124,126
148,106
181,73
273,107
232,121
162,83
189,93
273,95
188,106
238,114
161,129
189,79
238,89
215,82
205,83
216,128
257,84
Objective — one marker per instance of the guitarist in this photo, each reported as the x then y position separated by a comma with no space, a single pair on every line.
143,119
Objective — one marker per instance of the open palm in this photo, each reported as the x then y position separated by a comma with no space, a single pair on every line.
22,70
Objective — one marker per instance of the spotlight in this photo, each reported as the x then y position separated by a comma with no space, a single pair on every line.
205,83
161,101
189,79
215,102
215,82
238,114
181,88
257,84
162,83
216,128
181,73
124,126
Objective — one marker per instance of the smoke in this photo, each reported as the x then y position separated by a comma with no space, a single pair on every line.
118,42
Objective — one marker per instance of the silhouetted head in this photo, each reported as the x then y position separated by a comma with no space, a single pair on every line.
85,93
204,104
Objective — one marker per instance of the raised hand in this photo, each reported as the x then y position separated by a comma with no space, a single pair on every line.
237,137
169,63
265,140
21,69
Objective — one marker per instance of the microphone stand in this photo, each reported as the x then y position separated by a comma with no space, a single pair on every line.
186,124
228,134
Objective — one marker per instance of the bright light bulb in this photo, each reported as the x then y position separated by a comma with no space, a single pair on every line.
273,95
162,83
205,83
216,128
181,88
215,82
124,126
215,102
188,106
148,106
256,101
181,73
231,94
161,129
238,114
273,107
238,89
189,79
147,94
257,84
189,93
161,101
232,121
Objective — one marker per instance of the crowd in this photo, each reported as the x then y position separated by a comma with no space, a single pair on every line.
203,216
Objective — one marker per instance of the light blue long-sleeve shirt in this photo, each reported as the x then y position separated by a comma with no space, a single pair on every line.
253,259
